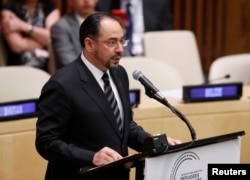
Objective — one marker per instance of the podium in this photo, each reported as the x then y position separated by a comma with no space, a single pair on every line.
189,159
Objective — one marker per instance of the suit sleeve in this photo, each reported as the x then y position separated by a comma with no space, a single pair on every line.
53,120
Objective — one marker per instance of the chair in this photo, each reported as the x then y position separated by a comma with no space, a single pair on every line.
162,75
237,66
21,82
178,48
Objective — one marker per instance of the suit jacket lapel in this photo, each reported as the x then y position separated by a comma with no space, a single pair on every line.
92,88
118,81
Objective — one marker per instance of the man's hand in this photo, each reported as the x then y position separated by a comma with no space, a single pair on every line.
105,155
172,141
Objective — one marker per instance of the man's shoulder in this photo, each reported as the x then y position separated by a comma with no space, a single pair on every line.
68,70
65,20
119,70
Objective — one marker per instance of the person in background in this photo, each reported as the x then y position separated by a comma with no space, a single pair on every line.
76,126
25,26
65,33
146,15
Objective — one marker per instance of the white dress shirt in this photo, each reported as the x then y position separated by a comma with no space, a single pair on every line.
97,73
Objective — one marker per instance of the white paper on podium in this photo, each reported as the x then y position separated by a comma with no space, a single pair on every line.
191,163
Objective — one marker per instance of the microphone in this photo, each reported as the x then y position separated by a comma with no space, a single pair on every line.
227,76
150,89
153,92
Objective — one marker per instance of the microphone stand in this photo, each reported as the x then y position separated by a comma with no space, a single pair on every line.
160,98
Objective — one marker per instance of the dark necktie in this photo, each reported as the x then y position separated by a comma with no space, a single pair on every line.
129,29
111,98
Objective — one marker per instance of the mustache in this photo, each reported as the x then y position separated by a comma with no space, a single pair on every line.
117,55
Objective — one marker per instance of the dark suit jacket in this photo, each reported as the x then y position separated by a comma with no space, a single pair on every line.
65,39
157,13
75,121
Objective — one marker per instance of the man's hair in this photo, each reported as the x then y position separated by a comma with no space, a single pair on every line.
91,25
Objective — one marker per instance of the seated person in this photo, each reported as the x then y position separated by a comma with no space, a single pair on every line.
25,26
65,33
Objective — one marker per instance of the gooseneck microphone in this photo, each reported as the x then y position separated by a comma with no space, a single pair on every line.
154,93
150,89
227,76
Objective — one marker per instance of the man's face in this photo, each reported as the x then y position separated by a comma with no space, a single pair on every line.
108,46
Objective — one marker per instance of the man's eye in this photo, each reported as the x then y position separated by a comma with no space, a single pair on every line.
112,42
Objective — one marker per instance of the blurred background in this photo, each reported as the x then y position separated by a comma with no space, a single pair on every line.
221,27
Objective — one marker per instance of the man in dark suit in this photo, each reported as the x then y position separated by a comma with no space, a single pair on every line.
148,15
65,33
76,126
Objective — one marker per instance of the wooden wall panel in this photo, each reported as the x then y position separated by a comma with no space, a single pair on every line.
210,34
237,23
219,23
199,28
188,14
203,17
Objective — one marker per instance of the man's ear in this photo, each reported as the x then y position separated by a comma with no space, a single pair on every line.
89,44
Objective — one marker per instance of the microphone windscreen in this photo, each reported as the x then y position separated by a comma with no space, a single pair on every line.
136,74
